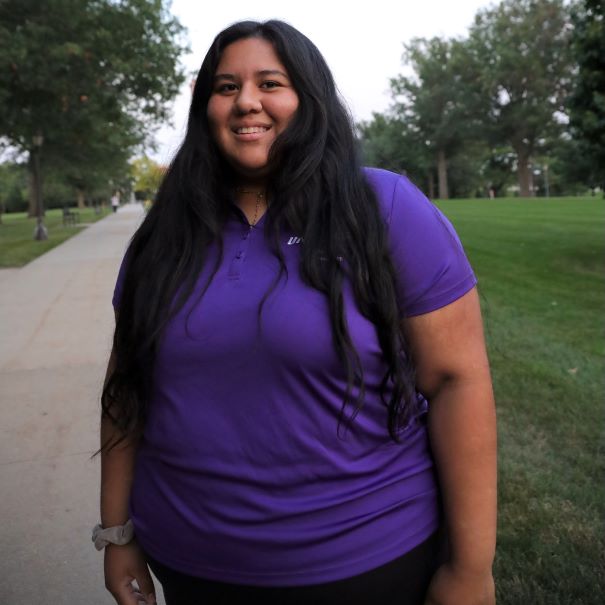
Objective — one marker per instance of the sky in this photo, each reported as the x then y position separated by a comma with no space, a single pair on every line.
362,43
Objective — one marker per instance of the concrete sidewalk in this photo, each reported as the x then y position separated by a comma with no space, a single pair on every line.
56,323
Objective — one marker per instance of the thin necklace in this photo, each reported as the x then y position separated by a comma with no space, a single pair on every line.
259,196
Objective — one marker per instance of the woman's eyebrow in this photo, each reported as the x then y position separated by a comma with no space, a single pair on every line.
272,72
262,72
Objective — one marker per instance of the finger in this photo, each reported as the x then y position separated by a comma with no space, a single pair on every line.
146,586
139,596
125,593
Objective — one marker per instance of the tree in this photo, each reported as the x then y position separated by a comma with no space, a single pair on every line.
92,76
441,100
587,102
13,185
522,50
147,176
497,169
393,144
92,162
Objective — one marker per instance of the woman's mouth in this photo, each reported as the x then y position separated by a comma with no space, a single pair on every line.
251,129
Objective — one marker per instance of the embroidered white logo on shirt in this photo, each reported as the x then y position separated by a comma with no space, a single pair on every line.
295,240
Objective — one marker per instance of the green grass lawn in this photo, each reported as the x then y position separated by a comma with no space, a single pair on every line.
17,244
541,270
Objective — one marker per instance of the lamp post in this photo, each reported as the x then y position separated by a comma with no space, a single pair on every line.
546,187
40,232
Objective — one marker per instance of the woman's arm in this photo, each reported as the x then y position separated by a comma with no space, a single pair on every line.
453,374
117,466
123,564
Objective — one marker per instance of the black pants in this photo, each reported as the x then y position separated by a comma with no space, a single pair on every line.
403,581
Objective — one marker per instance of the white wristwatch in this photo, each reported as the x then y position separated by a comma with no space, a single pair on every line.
119,534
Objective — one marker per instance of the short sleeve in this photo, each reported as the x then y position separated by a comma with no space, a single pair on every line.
431,266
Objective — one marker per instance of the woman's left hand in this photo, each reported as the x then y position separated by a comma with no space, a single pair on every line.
451,586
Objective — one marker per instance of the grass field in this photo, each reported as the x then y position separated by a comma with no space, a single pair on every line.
541,270
17,246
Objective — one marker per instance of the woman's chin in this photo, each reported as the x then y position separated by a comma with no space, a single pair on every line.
252,171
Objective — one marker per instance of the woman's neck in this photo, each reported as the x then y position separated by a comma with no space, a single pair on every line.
251,198
251,184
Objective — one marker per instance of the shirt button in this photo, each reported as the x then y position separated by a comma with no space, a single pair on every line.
238,255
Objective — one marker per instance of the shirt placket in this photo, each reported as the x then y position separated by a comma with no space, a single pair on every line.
241,251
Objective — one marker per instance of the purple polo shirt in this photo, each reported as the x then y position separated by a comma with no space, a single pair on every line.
241,476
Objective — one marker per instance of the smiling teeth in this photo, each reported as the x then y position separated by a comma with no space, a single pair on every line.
251,130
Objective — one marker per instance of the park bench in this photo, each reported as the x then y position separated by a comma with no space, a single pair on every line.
70,217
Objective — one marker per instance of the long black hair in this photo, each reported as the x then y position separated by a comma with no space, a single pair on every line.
317,190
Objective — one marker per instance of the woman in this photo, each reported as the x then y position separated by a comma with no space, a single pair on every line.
283,317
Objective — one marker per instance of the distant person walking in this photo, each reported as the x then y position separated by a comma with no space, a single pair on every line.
115,202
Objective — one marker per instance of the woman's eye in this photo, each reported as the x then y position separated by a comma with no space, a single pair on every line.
270,84
226,87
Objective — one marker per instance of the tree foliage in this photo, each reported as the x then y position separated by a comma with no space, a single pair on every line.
92,76
147,176
394,144
587,102
13,187
480,108
522,47
440,101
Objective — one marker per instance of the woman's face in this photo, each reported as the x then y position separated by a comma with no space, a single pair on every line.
252,102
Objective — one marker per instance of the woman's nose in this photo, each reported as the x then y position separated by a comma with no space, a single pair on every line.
248,100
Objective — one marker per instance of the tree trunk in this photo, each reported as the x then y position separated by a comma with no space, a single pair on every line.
524,174
80,198
442,172
31,188
431,185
